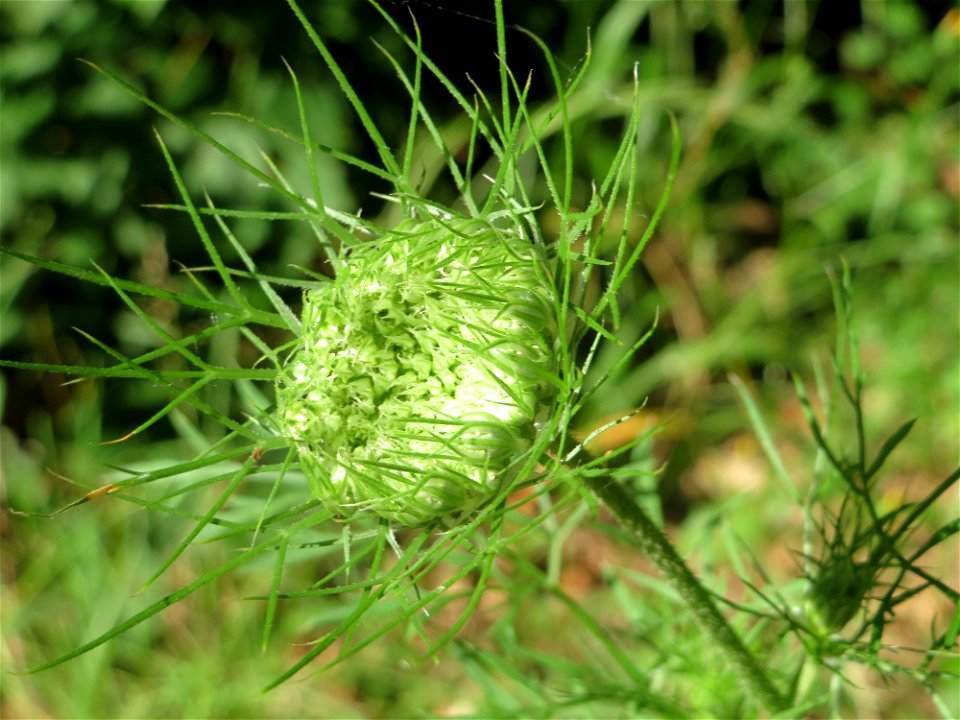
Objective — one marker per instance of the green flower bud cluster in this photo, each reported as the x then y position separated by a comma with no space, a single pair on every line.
421,370
837,593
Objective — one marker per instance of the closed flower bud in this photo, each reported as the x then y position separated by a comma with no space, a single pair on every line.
837,593
420,371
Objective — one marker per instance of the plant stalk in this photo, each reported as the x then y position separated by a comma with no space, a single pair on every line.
655,544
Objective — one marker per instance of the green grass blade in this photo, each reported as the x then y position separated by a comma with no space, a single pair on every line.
400,618
363,604
274,590
322,224
281,474
165,410
502,57
201,229
460,179
255,316
415,106
536,144
157,607
193,339
922,506
205,137
763,434
145,374
343,157
621,362
238,477
888,447
567,138
590,623
254,339
84,371
818,434
475,596
307,144
165,602
282,189
383,150
624,270
467,107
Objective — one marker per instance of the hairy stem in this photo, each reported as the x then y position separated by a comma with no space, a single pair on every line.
655,544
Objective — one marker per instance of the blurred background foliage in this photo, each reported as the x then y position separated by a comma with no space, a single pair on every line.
811,131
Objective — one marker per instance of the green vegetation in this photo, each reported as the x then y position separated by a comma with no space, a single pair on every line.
738,219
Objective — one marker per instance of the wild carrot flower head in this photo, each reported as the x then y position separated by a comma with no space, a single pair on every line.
422,370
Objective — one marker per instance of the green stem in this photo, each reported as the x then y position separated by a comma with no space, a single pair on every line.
655,544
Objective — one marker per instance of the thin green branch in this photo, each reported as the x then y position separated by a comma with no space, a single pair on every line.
655,544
